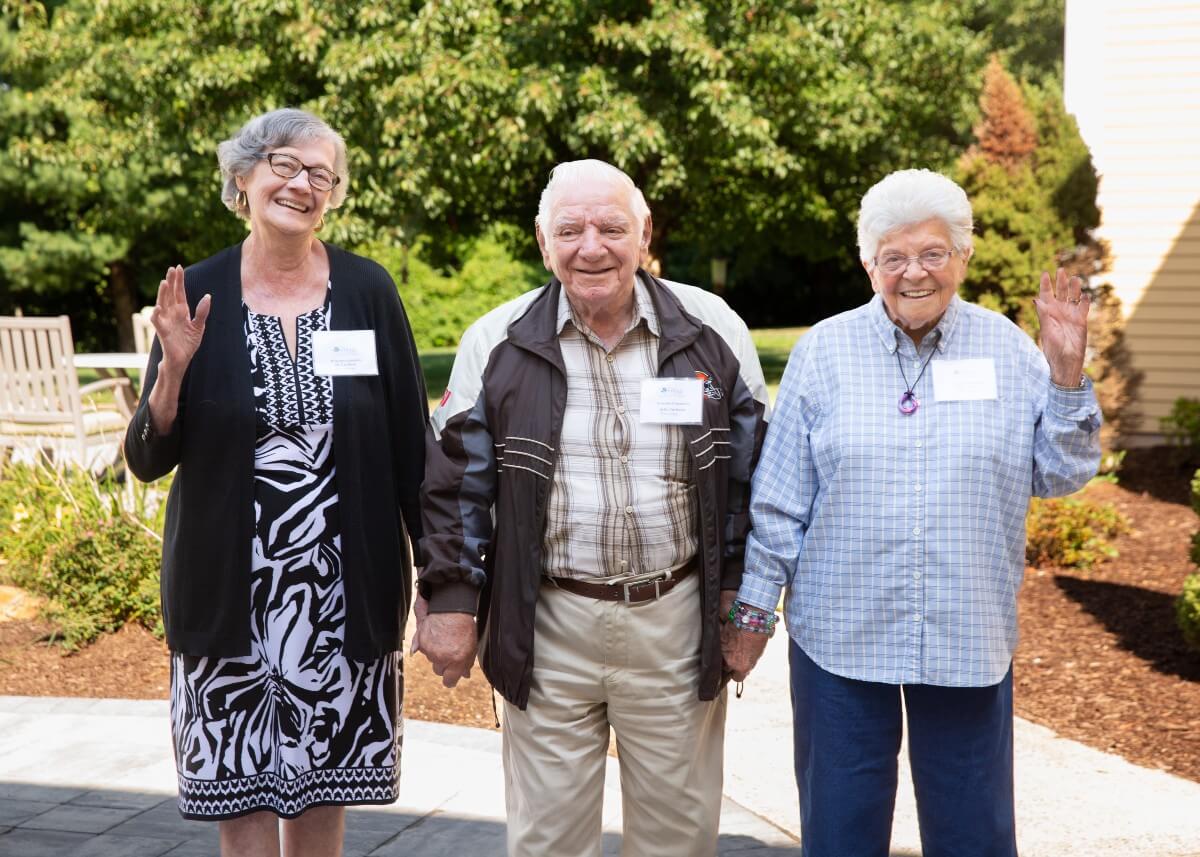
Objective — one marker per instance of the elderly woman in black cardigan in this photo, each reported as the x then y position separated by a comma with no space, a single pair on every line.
284,387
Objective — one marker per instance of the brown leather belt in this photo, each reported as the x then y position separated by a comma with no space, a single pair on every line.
632,589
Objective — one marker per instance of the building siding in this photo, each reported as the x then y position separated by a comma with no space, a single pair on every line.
1133,81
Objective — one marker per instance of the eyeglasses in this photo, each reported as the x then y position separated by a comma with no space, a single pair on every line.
287,167
930,260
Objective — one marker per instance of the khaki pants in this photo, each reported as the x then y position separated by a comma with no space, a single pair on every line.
636,668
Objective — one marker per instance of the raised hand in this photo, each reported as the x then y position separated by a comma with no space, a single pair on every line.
448,640
1062,310
179,333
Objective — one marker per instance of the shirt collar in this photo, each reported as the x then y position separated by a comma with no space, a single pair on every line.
643,310
889,332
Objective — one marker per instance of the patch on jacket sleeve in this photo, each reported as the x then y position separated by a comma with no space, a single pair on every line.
711,390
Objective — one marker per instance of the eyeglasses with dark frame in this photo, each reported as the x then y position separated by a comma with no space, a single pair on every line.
930,260
288,167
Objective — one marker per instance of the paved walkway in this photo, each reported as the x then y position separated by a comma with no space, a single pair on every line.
95,778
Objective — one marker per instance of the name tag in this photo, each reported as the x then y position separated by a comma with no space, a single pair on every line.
964,380
673,401
344,352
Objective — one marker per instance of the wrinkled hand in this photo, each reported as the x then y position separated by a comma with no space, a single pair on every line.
740,650
448,640
179,333
1062,310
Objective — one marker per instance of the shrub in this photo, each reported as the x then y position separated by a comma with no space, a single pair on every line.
1182,425
88,544
101,578
1195,554
1187,611
442,303
1071,532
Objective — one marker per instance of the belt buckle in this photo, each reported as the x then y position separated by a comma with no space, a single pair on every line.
655,577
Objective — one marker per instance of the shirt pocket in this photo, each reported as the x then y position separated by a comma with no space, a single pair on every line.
976,434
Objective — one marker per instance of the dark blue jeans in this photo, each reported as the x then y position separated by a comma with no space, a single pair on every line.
847,736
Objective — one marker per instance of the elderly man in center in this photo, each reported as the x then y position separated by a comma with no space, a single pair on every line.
586,500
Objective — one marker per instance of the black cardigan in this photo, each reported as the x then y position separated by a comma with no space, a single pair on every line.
378,435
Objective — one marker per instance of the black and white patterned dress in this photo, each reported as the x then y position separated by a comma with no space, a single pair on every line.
295,724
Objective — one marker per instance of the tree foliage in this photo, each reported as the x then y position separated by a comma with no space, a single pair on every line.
753,127
1032,185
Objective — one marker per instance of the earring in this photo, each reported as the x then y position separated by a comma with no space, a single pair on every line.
241,202
320,223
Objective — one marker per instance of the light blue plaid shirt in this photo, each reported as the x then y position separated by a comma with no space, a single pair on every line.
901,539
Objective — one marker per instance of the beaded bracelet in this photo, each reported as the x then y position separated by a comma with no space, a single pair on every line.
753,619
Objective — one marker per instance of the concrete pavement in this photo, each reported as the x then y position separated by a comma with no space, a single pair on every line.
95,778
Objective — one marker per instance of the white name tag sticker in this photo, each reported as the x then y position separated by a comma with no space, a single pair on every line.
344,352
673,401
964,380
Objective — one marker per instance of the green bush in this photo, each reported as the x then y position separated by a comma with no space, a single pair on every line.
1071,532
442,303
88,544
1182,425
102,578
1187,611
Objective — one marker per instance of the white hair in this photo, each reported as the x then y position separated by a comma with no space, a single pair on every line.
285,127
907,197
573,172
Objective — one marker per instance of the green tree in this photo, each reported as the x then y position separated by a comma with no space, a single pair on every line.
753,127
110,119
1033,187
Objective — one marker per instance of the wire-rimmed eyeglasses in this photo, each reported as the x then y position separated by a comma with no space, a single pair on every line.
930,260
288,167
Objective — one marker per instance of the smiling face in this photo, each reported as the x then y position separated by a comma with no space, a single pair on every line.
288,206
915,298
595,244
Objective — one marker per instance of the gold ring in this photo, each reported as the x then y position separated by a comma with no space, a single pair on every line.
1077,300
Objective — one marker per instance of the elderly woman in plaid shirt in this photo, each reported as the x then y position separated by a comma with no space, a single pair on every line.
890,502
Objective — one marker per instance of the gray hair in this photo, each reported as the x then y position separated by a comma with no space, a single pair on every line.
907,197
285,127
570,172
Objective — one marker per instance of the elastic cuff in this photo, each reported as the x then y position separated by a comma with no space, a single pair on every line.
453,598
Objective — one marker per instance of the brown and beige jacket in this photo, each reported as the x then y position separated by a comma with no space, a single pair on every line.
491,451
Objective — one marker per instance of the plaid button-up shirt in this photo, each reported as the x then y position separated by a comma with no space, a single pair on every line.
623,497
901,539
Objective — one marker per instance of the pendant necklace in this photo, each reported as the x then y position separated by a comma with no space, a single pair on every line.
908,402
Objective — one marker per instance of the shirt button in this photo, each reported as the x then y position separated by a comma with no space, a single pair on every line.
620,409
628,510
610,358
917,618
624,459
916,575
918,444
916,531
917,487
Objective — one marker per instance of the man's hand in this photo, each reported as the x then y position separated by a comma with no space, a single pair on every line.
448,640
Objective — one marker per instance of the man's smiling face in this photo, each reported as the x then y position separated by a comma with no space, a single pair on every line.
595,242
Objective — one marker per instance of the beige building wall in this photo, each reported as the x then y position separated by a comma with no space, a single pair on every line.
1132,76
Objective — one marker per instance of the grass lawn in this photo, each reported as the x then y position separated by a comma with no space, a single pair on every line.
774,344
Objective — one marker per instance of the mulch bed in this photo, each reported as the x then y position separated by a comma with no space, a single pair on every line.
1100,659
132,664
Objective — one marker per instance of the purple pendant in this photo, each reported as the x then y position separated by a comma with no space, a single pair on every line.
909,403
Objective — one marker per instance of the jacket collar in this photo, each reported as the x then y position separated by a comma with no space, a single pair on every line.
538,327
